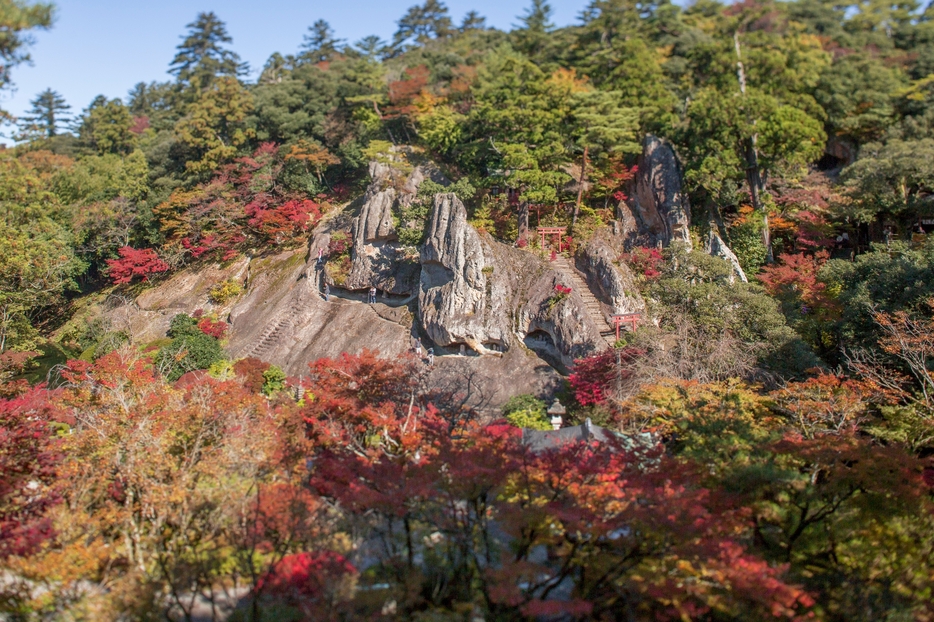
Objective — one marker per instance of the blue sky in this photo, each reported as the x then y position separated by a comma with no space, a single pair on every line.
107,46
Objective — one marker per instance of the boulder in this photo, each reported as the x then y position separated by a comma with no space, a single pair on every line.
376,257
716,247
494,298
610,278
454,297
658,203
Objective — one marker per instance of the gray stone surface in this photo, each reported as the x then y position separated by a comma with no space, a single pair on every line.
377,259
453,286
608,276
659,206
716,247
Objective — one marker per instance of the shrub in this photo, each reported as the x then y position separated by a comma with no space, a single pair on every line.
181,325
134,263
188,353
250,371
526,411
645,261
273,380
213,329
224,291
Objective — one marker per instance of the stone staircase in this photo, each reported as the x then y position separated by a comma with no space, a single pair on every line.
594,309
270,337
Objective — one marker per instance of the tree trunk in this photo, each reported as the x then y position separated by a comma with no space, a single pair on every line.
523,220
580,189
753,174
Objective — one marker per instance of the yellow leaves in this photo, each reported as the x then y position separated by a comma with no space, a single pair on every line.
312,154
214,124
565,82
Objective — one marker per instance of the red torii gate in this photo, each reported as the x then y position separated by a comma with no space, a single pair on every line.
555,231
631,318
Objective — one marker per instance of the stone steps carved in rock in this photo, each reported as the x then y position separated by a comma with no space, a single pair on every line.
591,304
270,337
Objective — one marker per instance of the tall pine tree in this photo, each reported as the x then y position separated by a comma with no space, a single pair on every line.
15,19
319,44
201,57
49,113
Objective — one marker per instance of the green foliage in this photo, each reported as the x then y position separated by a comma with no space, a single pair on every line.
746,242
441,129
201,57
273,380
695,294
857,92
378,151
48,115
190,350
38,262
412,218
182,325
106,127
222,370
214,125
888,179
884,279
526,411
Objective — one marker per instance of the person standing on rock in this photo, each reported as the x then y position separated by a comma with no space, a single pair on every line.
431,356
372,297
327,293
418,348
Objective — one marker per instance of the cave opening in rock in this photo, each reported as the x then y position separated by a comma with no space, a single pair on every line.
543,344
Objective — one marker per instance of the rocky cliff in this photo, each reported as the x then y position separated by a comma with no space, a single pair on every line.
377,258
659,211
492,311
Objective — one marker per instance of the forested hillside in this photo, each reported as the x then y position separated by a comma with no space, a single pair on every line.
745,189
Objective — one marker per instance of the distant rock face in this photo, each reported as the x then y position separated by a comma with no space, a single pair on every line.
717,247
492,297
376,258
617,283
659,206
453,295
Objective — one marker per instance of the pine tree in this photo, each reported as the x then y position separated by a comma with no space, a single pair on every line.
320,45
371,46
106,126
49,113
16,17
423,23
536,24
201,58
473,21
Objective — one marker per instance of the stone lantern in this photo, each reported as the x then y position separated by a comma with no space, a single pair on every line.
557,412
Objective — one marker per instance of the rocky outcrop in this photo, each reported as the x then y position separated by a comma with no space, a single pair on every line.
716,247
147,317
497,301
454,294
494,298
283,319
609,277
659,206
377,260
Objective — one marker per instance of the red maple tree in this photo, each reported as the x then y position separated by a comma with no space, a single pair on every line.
135,263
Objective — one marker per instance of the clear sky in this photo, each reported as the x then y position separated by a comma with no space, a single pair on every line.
107,46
